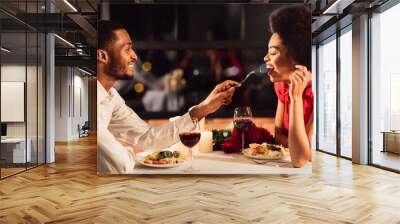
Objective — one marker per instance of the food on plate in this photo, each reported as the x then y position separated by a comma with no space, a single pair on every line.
165,157
267,150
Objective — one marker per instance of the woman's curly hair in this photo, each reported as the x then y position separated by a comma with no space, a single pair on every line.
293,25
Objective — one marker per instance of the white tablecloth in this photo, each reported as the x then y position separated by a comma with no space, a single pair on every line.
221,163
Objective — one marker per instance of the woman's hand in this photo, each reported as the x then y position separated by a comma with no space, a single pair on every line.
298,82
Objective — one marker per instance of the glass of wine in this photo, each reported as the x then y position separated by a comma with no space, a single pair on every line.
190,139
242,119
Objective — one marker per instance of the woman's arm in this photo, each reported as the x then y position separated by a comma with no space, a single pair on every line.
299,142
299,137
310,131
280,137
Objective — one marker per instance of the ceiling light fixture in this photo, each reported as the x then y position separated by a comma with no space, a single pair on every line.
338,6
84,71
5,50
70,5
65,41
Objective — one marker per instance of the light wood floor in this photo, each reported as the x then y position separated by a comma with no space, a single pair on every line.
387,159
5,172
9,171
70,191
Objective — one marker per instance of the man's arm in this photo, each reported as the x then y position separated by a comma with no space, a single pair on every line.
126,124
112,157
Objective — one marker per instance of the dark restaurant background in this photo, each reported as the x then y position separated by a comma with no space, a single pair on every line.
185,50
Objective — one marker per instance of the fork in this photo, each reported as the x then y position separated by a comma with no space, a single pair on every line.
247,76
261,69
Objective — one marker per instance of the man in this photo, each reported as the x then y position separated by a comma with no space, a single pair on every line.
117,123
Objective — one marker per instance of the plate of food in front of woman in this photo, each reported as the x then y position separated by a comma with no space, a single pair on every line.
266,152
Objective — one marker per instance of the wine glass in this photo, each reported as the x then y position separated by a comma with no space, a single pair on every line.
242,119
190,139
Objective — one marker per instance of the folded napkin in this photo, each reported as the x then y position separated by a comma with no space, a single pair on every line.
253,134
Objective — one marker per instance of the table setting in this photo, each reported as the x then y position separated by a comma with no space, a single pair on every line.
245,149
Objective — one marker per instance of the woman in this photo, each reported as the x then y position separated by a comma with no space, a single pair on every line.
289,61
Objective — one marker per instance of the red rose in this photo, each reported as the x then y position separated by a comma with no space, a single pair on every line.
232,146
252,135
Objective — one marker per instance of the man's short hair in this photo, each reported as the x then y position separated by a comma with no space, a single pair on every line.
105,32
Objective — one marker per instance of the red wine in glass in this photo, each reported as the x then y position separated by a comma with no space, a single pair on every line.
189,139
242,124
242,120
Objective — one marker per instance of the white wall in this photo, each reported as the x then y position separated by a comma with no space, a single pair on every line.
16,73
71,102
61,103
33,127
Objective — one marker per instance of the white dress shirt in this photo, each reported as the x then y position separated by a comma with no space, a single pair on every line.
115,120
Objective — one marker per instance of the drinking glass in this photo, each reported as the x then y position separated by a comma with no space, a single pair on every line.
242,119
190,139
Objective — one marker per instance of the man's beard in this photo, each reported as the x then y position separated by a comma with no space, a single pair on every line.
114,69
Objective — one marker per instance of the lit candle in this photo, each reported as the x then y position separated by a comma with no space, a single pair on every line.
205,145
202,124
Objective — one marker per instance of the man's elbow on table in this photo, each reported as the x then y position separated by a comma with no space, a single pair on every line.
125,168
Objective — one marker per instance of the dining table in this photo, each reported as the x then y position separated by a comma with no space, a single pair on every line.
220,163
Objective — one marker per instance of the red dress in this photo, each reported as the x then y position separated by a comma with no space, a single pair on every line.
282,91
259,135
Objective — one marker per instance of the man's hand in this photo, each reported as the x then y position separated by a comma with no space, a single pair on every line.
221,95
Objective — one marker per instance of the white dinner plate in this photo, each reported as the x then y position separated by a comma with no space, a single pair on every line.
246,152
140,158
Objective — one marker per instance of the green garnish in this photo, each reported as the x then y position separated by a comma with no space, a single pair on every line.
165,154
